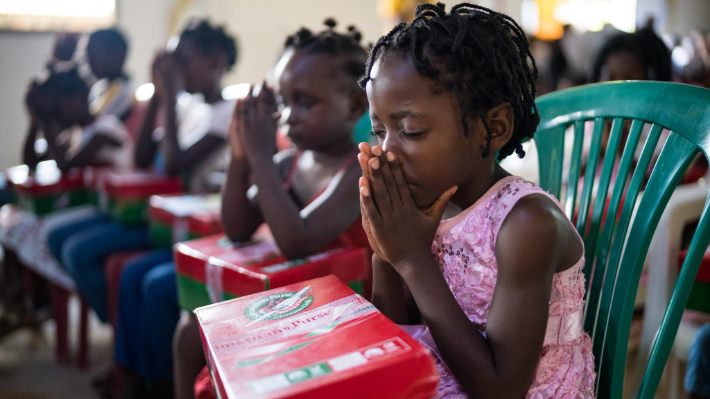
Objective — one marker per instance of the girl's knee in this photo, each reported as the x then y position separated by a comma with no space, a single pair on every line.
701,343
159,283
72,256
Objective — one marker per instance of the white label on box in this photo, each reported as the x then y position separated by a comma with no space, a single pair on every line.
269,384
348,361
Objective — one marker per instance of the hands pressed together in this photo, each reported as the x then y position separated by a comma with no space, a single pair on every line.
398,231
254,124
166,76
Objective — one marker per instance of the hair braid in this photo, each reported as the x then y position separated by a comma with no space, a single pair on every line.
211,39
331,42
482,56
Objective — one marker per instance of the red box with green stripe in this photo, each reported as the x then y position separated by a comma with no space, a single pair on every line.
176,218
316,339
124,196
212,269
47,189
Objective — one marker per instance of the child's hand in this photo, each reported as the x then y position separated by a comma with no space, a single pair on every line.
235,128
364,158
32,102
170,74
401,230
366,224
258,123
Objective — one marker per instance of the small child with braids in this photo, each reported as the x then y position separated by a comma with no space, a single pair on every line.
498,282
307,195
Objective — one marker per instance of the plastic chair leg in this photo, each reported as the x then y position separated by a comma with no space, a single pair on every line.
60,301
84,336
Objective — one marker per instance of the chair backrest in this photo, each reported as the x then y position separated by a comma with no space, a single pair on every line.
615,242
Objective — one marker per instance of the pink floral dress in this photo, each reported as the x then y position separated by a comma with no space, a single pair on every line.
464,248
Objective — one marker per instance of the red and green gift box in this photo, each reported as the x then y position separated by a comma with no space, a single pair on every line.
316,339
176,218
699,299
212,269
47,189
124,196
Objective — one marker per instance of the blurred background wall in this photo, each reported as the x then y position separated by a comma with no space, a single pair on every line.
260,26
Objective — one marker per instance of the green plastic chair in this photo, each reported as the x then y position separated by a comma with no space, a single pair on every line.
613,264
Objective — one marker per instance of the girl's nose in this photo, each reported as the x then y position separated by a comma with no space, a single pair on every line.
389,144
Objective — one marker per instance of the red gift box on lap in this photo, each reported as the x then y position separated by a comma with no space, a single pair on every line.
175,218
47,189
699,299
211,270
314,339
124,196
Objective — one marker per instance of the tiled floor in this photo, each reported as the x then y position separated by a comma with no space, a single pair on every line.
28,369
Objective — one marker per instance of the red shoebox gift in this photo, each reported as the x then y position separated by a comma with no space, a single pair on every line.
212,269
314,339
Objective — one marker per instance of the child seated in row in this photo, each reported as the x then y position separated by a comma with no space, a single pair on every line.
112,92
499,282
195,146
306,195
192,143
57,106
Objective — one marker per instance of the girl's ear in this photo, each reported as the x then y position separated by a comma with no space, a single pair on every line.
357,104
501,122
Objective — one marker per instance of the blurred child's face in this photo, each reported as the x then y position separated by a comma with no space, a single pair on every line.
103,62
200,72
314,98
423,129
622,66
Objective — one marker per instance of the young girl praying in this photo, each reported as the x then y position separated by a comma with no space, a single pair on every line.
307,195
499,285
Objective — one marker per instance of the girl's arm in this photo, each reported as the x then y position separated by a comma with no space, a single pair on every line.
388,292
502,364
534,241
240,216
29,156
145,146
301,232
296,232
36,105
84,156
55,150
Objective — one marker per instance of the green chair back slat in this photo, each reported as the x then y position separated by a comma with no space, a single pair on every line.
674,160
607,267
618,192
603,188
574,167
617,236
663,343
553,148
585,203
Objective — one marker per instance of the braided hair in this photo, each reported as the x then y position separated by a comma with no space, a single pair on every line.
648,48
210,39
479,54
333,43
